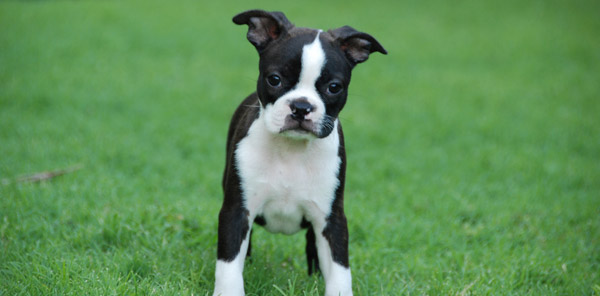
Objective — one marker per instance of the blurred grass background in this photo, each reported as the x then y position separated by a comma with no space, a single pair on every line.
473,147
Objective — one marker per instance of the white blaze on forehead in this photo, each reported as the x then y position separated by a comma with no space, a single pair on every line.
313,60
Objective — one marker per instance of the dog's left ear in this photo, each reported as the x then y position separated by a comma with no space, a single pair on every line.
356,45
263,26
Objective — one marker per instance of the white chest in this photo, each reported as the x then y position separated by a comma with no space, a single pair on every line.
285,180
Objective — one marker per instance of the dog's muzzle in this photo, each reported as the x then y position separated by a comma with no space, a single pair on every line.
298,119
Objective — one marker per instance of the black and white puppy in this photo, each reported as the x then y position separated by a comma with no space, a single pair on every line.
285,165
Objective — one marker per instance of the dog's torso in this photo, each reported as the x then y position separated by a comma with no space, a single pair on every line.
285,182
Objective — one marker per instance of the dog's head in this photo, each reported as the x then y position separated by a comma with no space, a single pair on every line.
304,73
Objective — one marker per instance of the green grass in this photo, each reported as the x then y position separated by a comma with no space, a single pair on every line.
473,147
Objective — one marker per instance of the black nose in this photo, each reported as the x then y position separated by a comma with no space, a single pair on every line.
300,108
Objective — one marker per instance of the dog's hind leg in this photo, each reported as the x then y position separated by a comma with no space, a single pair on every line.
249,253
312,257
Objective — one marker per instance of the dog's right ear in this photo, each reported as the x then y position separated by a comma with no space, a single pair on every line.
263,26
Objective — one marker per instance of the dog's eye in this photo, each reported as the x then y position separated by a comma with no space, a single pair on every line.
334,88
274,80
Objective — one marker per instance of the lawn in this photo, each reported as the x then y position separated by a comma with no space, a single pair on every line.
473,147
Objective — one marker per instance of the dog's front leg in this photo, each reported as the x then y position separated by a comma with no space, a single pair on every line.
332,247
234,232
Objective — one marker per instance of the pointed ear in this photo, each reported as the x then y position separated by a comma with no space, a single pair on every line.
263,26
356,45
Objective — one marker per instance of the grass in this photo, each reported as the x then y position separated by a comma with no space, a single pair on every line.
474,148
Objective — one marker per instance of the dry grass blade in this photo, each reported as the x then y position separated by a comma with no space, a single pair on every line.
43,176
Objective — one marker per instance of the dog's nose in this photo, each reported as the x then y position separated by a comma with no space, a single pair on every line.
300,108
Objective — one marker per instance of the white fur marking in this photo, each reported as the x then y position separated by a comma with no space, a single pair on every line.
339,281
313,60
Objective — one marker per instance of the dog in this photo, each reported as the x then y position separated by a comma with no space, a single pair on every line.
285,160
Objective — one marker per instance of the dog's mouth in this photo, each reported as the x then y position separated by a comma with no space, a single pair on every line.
299,126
